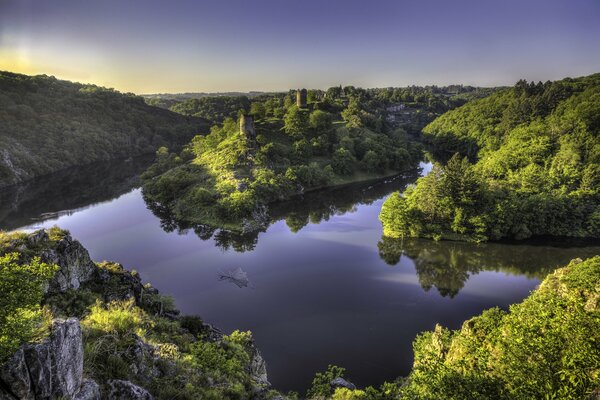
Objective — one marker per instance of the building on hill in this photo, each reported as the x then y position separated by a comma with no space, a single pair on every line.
301,95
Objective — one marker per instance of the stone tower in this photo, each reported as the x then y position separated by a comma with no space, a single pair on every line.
301,98
247,126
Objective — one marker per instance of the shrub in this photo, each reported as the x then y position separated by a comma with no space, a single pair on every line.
21,288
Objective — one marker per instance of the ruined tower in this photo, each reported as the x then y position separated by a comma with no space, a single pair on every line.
301,98
247,126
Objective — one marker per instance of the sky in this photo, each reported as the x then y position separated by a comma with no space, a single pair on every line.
151,46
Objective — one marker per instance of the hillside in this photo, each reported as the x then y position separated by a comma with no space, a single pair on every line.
227,178
48,124
526,163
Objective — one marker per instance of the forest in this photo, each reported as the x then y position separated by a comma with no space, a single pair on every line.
522,162
47,124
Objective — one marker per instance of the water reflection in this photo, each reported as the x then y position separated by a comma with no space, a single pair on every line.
68,191
448,265
313,207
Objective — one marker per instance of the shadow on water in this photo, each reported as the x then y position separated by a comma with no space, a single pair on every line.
448,265
64,192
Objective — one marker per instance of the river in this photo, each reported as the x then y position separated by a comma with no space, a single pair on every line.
324,287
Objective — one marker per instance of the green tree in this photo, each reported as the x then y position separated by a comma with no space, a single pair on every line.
21,285
295,122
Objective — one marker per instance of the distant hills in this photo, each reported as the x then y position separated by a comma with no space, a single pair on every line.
47,124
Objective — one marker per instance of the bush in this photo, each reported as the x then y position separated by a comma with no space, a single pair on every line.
21,286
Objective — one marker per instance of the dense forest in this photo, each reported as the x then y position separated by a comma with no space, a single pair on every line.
226,178
543,347
48,124
344,134
522,162
409,108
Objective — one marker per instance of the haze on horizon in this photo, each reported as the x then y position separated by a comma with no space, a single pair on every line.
150,46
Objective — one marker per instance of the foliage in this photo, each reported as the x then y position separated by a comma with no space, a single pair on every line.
536,149
320,387
226,180
215,109
544,347
47,124
21,285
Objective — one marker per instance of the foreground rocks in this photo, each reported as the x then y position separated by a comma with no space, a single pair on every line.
50,369
54,367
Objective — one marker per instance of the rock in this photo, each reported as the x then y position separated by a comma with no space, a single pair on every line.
74,262
49,369
67,356
15,378
258,368
125,390
39,364
89,390
341,382
37,237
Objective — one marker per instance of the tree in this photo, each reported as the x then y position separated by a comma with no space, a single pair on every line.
320,121
343,162
258,109
295,122
352,114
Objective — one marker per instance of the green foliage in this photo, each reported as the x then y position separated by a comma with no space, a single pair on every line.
226,180
296,122
215,109
320,387
47,124
545,347
21,285
536,152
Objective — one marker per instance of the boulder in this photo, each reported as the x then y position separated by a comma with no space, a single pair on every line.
125,390
49,369
341,382
74,262
89,390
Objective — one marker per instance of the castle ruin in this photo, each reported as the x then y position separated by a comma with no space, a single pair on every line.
247,126
301,95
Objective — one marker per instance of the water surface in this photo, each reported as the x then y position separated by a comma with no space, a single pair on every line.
324,287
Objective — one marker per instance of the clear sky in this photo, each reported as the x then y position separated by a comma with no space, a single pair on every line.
147,46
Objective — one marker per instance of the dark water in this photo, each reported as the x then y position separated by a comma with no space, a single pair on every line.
324,287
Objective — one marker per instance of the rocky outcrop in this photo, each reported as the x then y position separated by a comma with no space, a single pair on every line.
89,390
49,369
74,262
125,390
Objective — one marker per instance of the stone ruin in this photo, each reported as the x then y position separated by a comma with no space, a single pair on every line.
247,126
301,98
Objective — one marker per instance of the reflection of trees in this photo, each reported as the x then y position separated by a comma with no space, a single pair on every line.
313,207
447,265
50,196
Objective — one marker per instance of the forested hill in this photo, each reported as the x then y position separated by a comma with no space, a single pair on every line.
536,154
48,124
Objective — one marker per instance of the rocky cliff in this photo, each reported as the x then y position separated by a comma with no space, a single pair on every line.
119,364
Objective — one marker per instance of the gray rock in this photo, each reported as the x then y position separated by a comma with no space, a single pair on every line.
74,262
15,378
125,390
67,356
49,369
89,390
39,364
341,382
258,368
37,237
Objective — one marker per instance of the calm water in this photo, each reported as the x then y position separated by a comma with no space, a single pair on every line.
324,287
